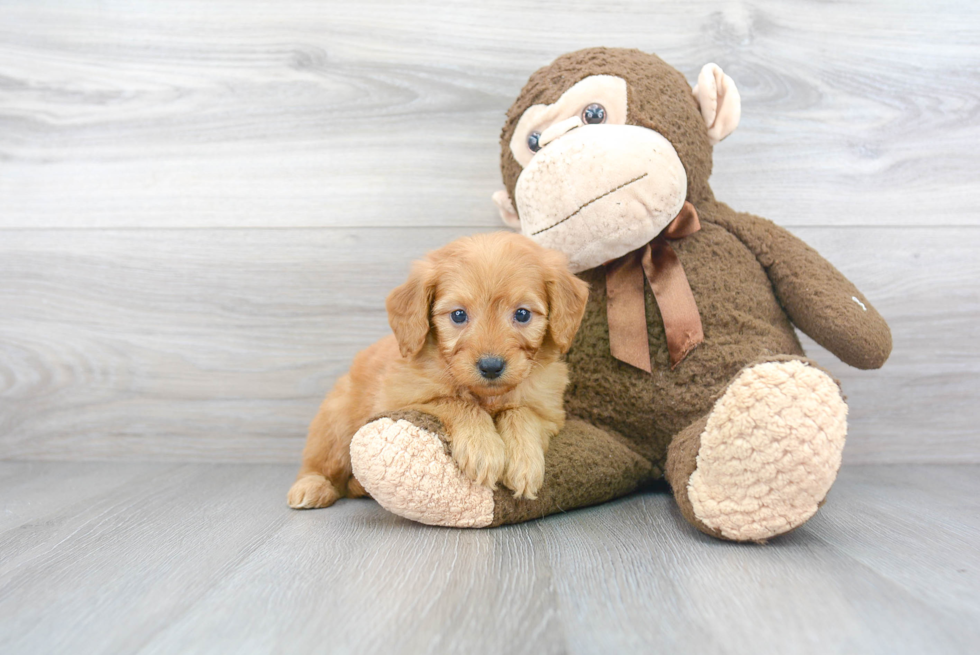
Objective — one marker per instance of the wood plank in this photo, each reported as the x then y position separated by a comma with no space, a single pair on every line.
925,283
927,516
144,552
387,114
362,580
661,582
185,344
35,490
218,345
207,558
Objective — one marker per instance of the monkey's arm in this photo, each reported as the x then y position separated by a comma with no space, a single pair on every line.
816,296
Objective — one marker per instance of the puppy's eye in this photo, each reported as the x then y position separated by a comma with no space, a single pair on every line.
458,317
532,141
522,315
593,114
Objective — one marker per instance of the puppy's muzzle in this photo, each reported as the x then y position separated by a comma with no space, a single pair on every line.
491,367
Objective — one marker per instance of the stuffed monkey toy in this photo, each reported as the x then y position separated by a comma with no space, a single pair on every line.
686,365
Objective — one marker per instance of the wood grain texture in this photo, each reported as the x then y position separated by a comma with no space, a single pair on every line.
309,113
219,345
208,559
202,206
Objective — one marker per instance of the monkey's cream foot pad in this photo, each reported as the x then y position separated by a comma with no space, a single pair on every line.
770,451
409,471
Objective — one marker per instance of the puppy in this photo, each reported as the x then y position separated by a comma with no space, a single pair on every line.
479,330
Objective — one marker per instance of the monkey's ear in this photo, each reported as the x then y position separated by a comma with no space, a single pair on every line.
506,208
720,103
567,298
409,306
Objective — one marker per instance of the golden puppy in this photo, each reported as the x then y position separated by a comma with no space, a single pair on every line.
479,329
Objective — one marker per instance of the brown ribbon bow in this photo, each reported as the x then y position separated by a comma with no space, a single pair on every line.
624,289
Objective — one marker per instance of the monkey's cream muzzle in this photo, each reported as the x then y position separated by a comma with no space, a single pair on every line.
597,192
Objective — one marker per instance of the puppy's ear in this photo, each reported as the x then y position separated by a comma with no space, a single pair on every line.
408,308
567,296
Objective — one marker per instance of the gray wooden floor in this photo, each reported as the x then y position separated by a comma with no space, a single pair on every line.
196,558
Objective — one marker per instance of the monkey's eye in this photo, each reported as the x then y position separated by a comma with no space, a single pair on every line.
532,141
458,317
522,315
593,114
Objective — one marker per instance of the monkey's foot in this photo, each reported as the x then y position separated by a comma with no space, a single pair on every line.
405,465
769,451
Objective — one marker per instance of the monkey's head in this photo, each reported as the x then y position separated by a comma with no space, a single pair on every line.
603,146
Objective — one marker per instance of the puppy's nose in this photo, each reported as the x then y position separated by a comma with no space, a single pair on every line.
490,367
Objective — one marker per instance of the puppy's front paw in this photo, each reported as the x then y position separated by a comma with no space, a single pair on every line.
525,470
480,456
311,492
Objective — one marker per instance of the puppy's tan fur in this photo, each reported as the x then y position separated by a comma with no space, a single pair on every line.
499,429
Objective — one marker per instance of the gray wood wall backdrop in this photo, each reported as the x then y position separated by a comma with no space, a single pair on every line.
203,205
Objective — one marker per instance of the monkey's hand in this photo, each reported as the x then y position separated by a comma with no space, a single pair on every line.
816,296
